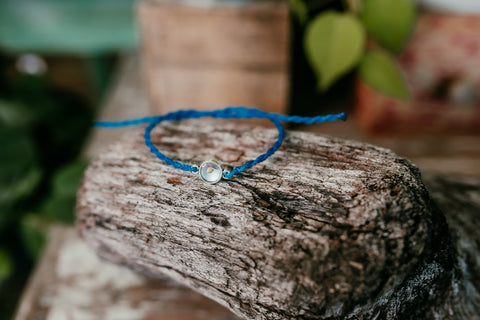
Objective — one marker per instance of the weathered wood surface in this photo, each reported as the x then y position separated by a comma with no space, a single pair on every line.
219,52
72,283
326,228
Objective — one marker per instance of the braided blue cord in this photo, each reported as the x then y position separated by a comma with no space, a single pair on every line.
226,113
227,175
161,156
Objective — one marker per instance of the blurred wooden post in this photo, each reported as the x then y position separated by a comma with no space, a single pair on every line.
210,54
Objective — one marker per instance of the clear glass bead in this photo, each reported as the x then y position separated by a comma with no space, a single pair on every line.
210,171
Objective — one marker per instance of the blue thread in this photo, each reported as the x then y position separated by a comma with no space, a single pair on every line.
226,113
161,156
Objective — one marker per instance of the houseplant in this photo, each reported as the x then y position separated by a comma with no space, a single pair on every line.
366,35
441,67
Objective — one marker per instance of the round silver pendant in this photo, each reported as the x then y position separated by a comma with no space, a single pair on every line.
210,171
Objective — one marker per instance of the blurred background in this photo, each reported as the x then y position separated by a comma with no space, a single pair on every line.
57,61
64,64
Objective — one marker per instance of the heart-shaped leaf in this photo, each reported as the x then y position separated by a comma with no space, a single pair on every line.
334,43
390,23
379,70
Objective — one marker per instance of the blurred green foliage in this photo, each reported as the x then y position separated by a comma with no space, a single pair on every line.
42,124
334,41
5,265
42,130
390,23
379,70
69,26
325,47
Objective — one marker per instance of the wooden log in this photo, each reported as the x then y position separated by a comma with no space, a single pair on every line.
219,52
326,228
70,282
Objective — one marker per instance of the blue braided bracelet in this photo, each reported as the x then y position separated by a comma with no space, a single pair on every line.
210,170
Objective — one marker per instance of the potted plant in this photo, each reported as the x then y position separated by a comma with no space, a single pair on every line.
442,69
365,35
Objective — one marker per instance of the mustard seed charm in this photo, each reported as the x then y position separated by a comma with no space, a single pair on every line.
210,171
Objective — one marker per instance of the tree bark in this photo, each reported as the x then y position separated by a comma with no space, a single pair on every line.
71,283
326,228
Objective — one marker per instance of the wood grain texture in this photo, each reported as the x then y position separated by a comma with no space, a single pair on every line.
326,228
219,52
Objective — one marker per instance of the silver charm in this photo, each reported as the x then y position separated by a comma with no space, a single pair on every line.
210,171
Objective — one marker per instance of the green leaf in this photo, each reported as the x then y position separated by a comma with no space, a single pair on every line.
390,23
61,203
379,70
299,9
16,115
67,179
59,209
5,265
34,230
334,43
17,153
22,187
19,173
